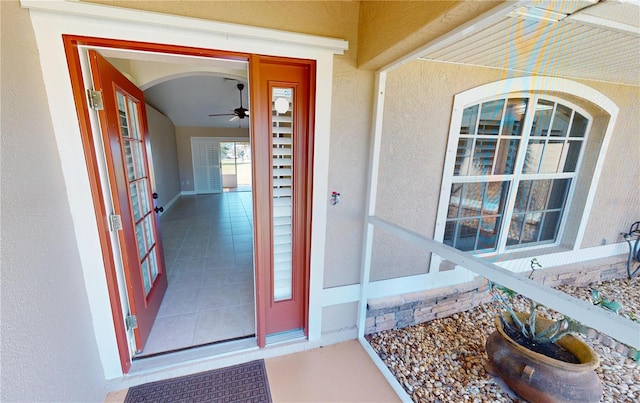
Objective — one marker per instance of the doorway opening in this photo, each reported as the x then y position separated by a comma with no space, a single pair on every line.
282,140
207,233
204,236
235,159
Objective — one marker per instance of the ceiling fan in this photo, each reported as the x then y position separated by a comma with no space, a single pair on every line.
238,113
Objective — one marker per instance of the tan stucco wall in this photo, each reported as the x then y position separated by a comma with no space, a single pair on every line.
324,18
388,30
339,317
49,350
417,113
378,28
617,202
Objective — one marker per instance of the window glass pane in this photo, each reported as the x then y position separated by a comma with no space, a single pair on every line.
522,197
551,157
468,231
135,125
472,199
494,198
144,196
469,118
573,153
490,118
542,118
463,160
148,227
546,200
506,159
483,204
454,200
558,193
138,159
142,250
515,229
561,121
122,114
128,157
534,156
531,228
145,276
153,264
539,195
550,226
135,201
449,233
483,156
514,117
579,125
489,230
282,154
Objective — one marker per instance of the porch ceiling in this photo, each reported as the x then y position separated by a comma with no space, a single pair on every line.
589,40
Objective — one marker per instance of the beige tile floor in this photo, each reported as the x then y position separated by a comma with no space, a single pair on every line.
208,245
337,373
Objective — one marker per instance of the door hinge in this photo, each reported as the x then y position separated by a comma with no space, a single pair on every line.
131,321
115,222
95,99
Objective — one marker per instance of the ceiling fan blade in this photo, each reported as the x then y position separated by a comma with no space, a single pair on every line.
223,114
234,118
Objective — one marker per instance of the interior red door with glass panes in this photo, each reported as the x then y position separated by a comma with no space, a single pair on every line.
126,142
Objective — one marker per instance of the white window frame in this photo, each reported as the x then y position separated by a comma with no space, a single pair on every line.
531,87
518,175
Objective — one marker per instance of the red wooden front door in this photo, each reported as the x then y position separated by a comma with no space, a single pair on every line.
125,137
282,118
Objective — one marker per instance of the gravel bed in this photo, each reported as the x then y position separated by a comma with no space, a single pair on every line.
444,360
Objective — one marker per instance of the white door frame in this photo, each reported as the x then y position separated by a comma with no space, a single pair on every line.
51,20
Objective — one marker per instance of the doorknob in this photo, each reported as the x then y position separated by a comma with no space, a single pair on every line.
159,209
154,195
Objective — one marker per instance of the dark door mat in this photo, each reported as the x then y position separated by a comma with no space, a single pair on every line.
241,383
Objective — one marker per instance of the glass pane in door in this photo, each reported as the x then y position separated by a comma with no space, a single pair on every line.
282,165
139,184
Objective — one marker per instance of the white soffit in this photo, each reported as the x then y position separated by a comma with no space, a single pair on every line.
594,41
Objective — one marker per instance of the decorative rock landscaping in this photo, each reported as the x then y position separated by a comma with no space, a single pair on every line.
444,360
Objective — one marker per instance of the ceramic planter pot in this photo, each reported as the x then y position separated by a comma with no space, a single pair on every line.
538,378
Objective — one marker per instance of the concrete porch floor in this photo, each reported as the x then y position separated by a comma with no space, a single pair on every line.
337,373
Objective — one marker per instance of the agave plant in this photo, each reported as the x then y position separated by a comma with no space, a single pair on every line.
527,327
505,296
559,328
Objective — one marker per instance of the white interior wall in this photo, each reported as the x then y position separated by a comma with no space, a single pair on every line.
162,135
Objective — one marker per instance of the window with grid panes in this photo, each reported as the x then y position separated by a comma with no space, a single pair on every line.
516,163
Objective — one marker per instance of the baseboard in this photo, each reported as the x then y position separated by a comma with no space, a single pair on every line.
170,203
